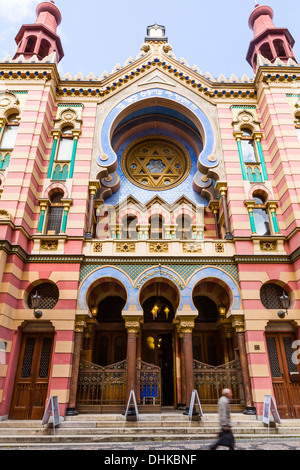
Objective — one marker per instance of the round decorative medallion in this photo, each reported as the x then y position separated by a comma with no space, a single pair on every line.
156,163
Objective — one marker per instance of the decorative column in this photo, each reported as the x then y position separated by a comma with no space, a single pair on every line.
2,124
80,324
214,207
181,392
43,206
186,327
93,188
222,187
238,136
76,134
272,206
258,136
143,231
250,206
66,206
239,326
56,135
198,230
132,324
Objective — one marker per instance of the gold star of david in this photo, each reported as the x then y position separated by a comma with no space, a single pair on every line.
156,163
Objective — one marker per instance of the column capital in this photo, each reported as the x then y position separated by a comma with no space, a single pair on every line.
258,135
272,205
186,321
80,325
238,135
66,203
3,121
238,323
56,133
250,203
221,186
132,321
94,186
214,205
44,203
76,133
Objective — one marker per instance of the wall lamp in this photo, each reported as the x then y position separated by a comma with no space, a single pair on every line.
285,302
35,303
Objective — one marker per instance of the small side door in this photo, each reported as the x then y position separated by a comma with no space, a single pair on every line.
32,377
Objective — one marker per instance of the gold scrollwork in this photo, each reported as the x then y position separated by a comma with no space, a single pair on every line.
49,245
158,247
156,163
98,247
192,248
125,248
268,246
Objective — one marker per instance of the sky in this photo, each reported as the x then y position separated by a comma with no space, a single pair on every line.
97,35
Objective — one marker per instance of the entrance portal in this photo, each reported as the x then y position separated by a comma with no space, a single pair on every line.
285,374
32,377
159,299
158,350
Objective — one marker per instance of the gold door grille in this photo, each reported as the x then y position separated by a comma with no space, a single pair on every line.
155,163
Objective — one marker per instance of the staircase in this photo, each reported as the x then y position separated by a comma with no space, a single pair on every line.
168,426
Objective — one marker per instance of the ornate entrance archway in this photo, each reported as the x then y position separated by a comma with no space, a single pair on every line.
159,298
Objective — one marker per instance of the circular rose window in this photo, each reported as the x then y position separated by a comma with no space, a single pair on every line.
156,163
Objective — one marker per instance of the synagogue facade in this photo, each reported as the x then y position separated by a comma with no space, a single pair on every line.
149,227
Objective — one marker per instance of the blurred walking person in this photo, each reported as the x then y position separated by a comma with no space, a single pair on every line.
226,437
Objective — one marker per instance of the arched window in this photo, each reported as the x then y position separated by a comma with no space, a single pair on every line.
65,149
44,48
130,227
49,294
184,227
55,213
156,227
279,48
261,217
10,132
30,46
248,148
266,52
270,294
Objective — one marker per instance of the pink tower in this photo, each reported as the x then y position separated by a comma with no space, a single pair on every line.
40,38
269,41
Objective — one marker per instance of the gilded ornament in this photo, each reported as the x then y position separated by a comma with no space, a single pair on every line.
49,245
98,247
125,248
268,246
158,247
156,163
192,248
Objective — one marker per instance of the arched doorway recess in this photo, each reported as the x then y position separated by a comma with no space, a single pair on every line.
159,298
215,345
102,378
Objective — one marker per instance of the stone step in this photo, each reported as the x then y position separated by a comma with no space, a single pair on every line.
41,440
93,429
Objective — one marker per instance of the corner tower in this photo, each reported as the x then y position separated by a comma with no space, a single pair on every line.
40,38
269,41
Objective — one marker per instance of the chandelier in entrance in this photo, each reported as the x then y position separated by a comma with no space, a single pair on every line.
159,305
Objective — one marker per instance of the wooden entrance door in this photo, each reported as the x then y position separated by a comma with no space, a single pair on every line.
158,350
285,374
32,377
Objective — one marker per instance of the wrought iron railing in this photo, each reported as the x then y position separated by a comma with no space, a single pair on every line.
209,381
101,387
148,383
